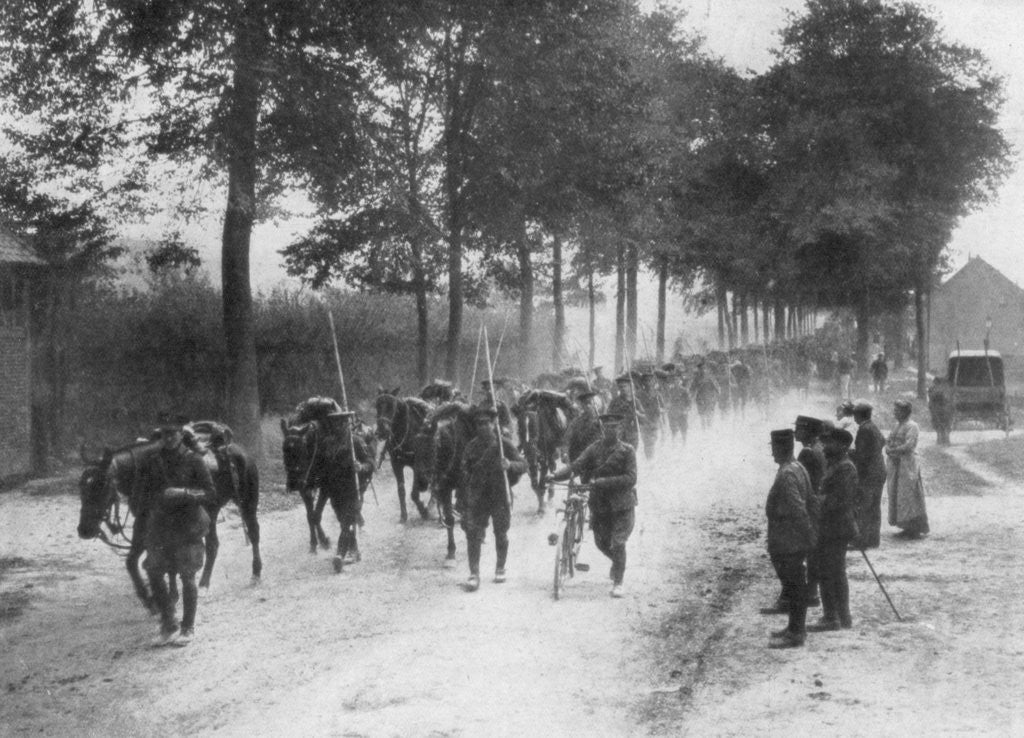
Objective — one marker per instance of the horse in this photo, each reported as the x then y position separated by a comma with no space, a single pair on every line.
526,428
450,428
235,477
399,420
553,410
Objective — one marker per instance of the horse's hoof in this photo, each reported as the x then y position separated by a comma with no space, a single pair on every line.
404,518
424,512
325,543
255,580
540,511
339,564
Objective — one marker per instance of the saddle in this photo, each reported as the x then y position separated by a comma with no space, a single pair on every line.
211,439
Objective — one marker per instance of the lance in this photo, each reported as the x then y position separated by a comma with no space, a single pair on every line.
344,406
476,360
880,585
497,426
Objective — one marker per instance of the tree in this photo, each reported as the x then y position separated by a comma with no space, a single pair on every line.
236,84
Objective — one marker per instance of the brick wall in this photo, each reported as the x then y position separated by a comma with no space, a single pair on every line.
15,394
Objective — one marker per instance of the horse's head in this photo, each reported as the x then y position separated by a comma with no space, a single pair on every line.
298,448
386,406
96,493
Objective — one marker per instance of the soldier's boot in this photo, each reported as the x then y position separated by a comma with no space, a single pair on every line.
501,551
473,555
829,610
843,605
168,623
189,601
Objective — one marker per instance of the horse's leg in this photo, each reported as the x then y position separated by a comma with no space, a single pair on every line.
445,500
399,472
172,587
132,564
189,600
306,493
318,516
212,546
249,501
339,555
419,485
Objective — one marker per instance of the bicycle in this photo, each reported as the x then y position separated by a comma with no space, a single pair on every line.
568,538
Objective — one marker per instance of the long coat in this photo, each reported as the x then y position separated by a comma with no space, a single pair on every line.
838,499
790,527
867,455
903,481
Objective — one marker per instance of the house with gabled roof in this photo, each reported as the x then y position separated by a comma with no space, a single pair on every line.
976,304
20,267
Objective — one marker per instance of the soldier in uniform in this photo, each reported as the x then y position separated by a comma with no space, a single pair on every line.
812,458
940,404
585,428
879,373
483,466
339,483
836,529
678,401
741,380
490,400
650,403
609,466
175,486
791,537
704,390
601,383
868,456
625,405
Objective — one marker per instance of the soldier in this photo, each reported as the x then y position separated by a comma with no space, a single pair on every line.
879,373
649,403
791,538
174,489
483,466
940,404
704,390
741,379
585,428
625,404
844,417
601,383
812,458
609,466
490,400
678,401
869,459
836,529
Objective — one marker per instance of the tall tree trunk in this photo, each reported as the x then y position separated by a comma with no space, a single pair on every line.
632,266
753,315
558,344
730,306
780,320
863,331
921,305
662,309
620,310
766,334
744,320
242,387
422,317
721,306
526,281
592,322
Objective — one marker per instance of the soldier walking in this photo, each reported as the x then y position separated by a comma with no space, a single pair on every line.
625,405
609,466
585,428
704,390
338,480
486,496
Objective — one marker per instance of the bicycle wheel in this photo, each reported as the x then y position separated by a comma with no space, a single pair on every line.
569,543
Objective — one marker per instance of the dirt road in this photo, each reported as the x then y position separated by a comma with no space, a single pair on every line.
394,647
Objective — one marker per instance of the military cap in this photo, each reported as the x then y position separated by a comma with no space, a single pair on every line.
839,435
809,425
584,396
782,437
862,409
166,421
610,418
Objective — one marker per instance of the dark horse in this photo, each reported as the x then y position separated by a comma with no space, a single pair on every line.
399,420
553,411
116,474
450,428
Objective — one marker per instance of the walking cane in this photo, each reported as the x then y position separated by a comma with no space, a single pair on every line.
497,426
880,585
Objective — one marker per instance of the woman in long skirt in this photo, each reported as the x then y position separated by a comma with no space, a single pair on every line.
903,479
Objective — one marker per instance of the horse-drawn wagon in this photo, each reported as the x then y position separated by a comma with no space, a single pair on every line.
978,385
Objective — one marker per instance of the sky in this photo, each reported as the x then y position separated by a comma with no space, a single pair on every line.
742,32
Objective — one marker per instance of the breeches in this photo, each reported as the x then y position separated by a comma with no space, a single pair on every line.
611,531
479,512
792,572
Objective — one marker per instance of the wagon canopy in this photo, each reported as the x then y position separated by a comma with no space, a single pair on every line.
973,368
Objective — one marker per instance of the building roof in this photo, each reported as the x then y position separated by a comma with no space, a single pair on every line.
15,250
978,267
974,353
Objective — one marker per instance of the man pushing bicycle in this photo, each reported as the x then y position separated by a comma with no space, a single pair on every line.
609,466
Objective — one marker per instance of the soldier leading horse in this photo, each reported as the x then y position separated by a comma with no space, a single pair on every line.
399,420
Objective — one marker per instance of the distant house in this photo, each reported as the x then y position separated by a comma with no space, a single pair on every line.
19,266
961,309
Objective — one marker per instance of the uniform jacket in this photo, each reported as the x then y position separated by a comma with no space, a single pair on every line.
336,467
611,469
867,454
582,431
481,469
790,527
631,414
178,467
838,497
812,458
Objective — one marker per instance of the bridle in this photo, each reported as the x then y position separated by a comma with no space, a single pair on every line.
389,423
112,517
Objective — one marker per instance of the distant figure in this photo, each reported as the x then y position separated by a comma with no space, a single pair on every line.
844,375
625,404
903,481
879,373
741,378
704,390
940,405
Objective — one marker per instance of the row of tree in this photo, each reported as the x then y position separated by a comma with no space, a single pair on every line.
471,145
